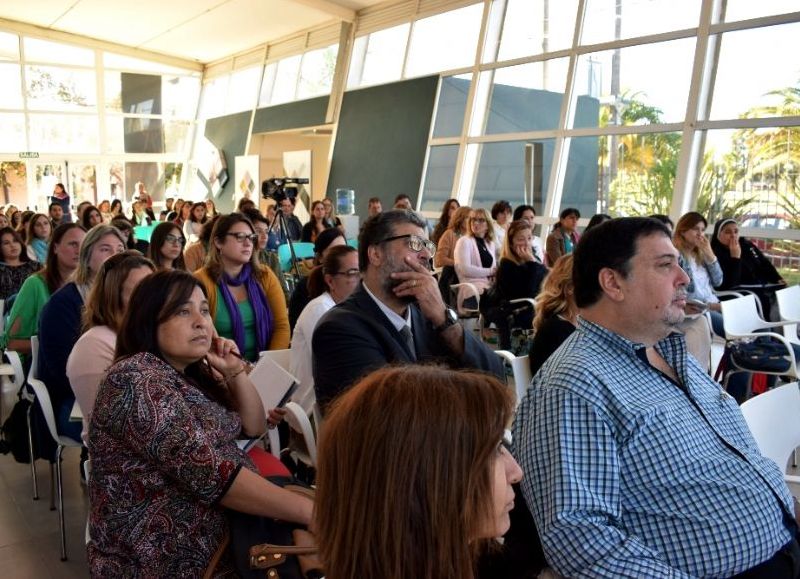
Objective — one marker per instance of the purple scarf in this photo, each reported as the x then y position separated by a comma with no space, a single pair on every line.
258,300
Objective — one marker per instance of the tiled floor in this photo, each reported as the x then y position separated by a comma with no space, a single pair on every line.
29,538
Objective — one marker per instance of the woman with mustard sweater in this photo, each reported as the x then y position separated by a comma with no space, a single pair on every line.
245,300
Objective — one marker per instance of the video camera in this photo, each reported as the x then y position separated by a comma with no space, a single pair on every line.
280,188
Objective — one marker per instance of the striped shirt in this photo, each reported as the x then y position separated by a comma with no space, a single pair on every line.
631,474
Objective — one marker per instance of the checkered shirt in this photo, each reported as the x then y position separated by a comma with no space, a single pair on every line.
629,474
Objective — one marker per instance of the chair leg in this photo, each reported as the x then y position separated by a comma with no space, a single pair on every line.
52,487
33,460
61,504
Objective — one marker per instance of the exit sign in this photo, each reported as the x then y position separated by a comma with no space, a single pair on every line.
28,155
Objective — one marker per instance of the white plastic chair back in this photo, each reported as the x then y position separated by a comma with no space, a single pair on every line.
43,396
774,420
789,307
740,316
18,379
520,369
299,422
34,371
2,315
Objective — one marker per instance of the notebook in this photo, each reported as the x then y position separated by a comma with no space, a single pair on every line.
274,384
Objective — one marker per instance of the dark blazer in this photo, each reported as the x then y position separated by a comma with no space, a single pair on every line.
355,337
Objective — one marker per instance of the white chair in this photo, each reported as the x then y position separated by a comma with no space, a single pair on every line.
2,315
789,308
521,371
43,396
774,420
299,423
743,322
17,379
282,358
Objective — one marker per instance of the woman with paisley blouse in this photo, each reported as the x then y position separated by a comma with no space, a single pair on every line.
162,438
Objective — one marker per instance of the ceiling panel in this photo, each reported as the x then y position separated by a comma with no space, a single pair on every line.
200,30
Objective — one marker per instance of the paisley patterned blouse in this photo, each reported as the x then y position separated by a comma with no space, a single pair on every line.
163,455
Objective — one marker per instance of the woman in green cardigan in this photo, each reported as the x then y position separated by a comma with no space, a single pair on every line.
62,261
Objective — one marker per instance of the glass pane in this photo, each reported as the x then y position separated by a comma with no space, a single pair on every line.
147,173
444,41
9,46
502,171
212,101
11,81
640,93
173,172
116,179
13,175
12,132
384,59
143,135
176,137
451,106
267,84
537,26
37,50
527,97
46,178
754,77
754,175
180,94
623,175
744,9
286,80
439,177
111,60
243,90
64,133
636,18
83,180
60,89
316,72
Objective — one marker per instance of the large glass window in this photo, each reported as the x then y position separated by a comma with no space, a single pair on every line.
754,175
624,175
316,72
754,77
507,170
11,92
243,90
64,133
439,177
630,90
83,182
60,89
212,100
444,41
537,26
12,132
9,47
744,9
527,97
13,175
451,105
285,87
382,55
37,50
608,20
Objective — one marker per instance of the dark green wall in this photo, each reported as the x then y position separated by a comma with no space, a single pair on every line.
228,133
307,113
381,141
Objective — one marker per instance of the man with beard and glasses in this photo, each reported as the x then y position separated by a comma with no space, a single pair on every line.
395,316
636,463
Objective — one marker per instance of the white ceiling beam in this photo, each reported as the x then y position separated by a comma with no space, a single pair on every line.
329,7
87,42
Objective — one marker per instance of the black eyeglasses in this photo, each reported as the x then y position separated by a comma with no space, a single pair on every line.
241,237
415,242
174,239
350,273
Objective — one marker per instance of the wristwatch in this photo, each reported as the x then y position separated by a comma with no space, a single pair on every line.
450,319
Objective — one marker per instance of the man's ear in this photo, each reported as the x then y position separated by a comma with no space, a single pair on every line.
375,255
611,283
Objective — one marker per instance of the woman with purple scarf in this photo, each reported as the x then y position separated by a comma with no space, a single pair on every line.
245,299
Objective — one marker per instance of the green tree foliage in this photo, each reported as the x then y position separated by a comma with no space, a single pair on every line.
647,164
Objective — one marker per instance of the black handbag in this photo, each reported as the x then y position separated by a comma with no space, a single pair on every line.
764,354
263,547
